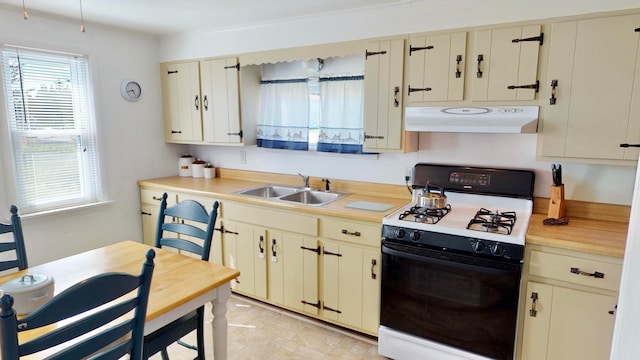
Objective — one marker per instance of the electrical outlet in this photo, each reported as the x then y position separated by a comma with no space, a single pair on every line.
243,157
408,171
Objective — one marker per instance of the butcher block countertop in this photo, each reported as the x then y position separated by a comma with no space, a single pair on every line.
593,227
229,181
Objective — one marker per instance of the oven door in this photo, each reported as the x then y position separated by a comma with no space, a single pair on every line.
465,302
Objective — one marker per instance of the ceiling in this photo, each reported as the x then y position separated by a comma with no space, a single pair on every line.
173,16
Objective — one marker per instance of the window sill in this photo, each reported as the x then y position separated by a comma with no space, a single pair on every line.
64,209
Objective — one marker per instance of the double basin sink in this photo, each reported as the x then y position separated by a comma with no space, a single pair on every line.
299,195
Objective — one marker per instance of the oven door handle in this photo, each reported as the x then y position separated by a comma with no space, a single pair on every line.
454,260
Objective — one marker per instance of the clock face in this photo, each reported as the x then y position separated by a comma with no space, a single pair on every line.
130,90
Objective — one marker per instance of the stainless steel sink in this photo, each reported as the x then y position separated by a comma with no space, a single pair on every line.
270,191
299,195
313,197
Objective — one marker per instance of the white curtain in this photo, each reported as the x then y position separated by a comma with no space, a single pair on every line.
284,114
342,108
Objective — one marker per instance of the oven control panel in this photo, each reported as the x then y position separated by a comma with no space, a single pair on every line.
454,243
469,179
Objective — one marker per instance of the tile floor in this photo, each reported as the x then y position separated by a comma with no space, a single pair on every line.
259,331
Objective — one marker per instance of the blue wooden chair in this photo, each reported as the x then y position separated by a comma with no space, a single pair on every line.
17,245
177,229
101,299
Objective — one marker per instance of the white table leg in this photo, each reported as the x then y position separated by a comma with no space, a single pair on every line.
219,323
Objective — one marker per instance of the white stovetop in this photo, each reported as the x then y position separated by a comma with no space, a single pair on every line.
464,208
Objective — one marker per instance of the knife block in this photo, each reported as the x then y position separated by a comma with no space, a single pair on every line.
556,202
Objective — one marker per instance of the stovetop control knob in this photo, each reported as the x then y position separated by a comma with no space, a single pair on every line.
414,236
497,249
400,233
478,246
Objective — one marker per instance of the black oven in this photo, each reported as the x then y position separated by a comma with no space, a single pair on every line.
465,301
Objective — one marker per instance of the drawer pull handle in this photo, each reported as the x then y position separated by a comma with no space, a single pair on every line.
533,312
595,274
146,213
157,198
347,232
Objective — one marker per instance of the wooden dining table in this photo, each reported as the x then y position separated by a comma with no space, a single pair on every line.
180,283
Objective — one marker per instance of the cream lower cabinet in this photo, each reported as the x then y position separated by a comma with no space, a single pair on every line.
569,305
216,254
351,273
323,267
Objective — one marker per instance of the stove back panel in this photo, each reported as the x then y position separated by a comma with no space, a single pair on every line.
517,183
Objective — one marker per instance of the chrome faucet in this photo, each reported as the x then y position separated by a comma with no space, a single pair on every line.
326,184
305,180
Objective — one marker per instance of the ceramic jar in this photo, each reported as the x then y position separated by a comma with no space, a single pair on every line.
184,165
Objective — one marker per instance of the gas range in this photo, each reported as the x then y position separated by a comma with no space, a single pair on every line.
487,212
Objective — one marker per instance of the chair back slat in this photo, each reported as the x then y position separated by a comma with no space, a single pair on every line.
184,221
185,229
100,299
17,244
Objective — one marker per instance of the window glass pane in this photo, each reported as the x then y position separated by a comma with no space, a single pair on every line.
51,122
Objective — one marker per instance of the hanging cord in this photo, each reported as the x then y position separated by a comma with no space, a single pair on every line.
25,15
81,18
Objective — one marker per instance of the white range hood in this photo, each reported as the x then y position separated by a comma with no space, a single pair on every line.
485,119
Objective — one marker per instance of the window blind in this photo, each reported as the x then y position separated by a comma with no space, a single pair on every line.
52,129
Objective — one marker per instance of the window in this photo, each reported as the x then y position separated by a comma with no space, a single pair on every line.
52,129
313,105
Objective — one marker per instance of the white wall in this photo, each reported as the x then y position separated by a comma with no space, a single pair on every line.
130,134
598,183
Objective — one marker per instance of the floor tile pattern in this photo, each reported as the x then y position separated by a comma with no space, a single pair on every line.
259,332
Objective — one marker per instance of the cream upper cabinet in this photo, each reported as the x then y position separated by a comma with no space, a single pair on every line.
436,67
506,63
181,102
569,305
201,102
221,101
593,94
383,95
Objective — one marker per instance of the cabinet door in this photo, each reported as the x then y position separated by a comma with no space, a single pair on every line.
181,101
581,326
342,283
436,67
276,260
597,98
383,95
569,324
537,316
371,270
221,101
245,250
506,61
301,273
149,223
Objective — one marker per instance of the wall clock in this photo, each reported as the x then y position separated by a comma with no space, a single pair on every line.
130,90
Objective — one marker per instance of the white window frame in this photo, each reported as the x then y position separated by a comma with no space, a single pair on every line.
78,180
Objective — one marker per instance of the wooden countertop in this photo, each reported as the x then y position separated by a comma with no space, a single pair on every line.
593,228
224,188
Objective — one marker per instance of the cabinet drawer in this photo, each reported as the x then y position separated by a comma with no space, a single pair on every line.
575,270
303,224
360,233
207,202
154,196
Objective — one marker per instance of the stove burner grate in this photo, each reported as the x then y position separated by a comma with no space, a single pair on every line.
495,222
425,214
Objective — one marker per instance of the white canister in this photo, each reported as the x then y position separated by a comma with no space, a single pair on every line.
209,171
197,168
29,292
184,165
